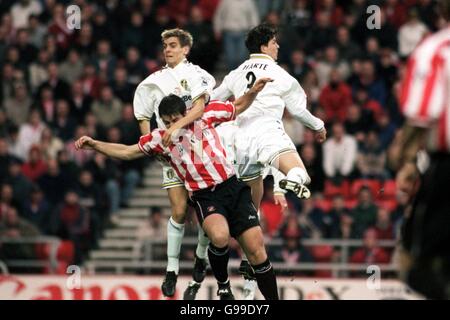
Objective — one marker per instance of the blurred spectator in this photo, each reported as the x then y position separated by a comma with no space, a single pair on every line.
7,81
72,223
335,98
339,154
70,169
106,172
129,170
203,52
313,165
298,66
6,199
335,11
18,106
80,103
6,124
371,159
46,104
329,62
80,157
58,27
35,166
309,220
29,134
347,48
153,228
108,108
38,70
411,33
85,43
232,20
59,87
50,145
63,125
370,253
90,81
321,35
271,214
369,81
27,51
299,15
135,66
5,159
122,89
385,129
36,30
358,122
93,128
292,251
365,213
104,61
54,183
133,33
20,184
103,28
37,210
383,226
329,223
427,10
395,12
22,10
208,8
72,67
14,227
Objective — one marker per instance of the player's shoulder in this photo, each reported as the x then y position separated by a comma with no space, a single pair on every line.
217,105
432,45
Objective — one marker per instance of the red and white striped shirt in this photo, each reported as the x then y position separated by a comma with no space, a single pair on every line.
425,94
198,156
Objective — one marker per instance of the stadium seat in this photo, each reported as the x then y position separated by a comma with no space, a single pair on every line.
373,185
332,190
389,190
389,204
324,204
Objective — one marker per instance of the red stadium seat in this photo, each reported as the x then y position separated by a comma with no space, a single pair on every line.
373,185
389,204
332,190
324,204
350,203
389,190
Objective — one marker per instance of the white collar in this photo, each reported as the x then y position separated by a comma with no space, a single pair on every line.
261,56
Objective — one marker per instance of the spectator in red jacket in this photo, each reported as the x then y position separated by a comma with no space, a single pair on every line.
370,253
35,167
335,98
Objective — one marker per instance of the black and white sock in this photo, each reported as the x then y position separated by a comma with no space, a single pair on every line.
218,259
267,283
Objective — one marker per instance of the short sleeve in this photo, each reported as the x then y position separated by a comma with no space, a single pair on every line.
217,112
144,103
201,83
151,143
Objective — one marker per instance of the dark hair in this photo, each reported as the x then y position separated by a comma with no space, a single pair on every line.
171,105
258,36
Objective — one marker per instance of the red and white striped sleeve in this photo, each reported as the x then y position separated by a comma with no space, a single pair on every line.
423,91
217,112
151,143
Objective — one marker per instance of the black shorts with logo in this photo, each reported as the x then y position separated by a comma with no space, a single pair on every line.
232,199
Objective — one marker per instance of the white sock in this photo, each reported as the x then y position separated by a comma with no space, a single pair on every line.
298,175
175,233
202,245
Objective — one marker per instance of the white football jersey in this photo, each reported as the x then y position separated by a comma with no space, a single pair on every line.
186,80
283,92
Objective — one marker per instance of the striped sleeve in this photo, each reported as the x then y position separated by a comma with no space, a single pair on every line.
151,143
422,96
217,112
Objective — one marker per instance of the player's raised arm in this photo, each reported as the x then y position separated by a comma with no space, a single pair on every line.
247,99
114,150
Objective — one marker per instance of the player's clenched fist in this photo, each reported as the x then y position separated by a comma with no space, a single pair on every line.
84,142
321,135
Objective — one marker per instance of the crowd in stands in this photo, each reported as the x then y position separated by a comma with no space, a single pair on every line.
58,84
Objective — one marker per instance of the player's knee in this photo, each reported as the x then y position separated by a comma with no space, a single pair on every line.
178,215
220,239
256,255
